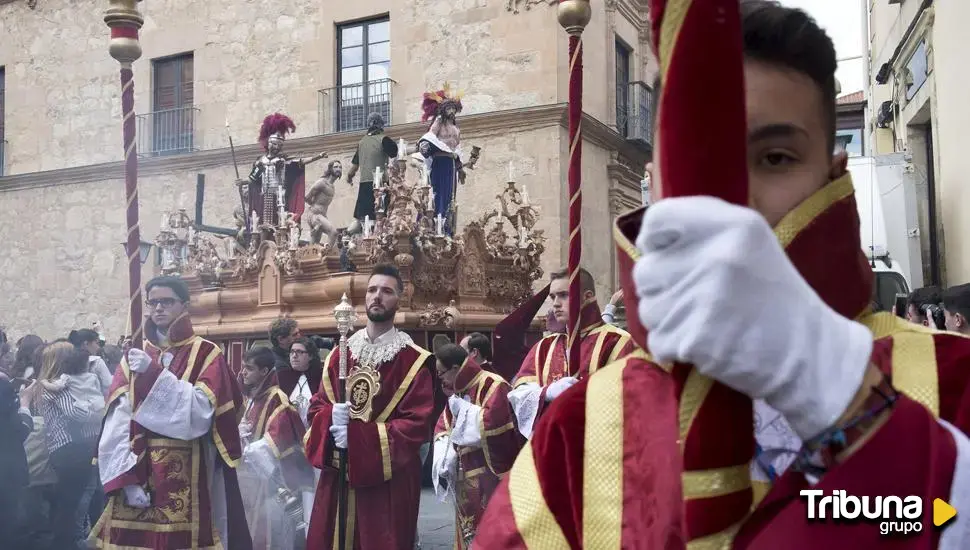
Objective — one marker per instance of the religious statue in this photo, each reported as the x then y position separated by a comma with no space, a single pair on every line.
373,152
318,200
441,148
276,182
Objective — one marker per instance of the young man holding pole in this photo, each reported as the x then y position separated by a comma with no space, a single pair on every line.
388,413
771,302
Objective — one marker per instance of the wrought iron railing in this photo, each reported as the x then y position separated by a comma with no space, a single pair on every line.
3,156
634,119
345,108
168,132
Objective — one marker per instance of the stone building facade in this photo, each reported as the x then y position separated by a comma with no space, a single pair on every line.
917,104
61,188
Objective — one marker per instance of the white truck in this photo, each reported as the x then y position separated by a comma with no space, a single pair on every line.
885,192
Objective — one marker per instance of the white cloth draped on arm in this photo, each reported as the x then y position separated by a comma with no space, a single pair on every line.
175,408
444,465
525,405
467,418
114,450
258,456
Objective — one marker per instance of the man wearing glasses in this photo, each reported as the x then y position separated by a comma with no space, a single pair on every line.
170,443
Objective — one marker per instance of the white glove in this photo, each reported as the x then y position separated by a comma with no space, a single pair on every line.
339,434
556,388
457,404
716,290
340,415
245,430
138,360
136,497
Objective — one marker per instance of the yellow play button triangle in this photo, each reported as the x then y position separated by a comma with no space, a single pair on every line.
942,512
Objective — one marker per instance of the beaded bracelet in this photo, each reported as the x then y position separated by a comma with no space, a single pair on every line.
818,454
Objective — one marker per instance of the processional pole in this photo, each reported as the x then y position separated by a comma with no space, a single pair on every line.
702,152
344,314
124,20
573,16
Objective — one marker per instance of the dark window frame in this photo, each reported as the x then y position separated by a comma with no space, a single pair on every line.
365,44
354,101
173,128
625,51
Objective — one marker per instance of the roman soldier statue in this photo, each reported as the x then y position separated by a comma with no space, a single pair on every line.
276,182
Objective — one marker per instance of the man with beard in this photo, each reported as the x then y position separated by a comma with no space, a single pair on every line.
273,464
441,148
373,151
170,442
772,301
283,331
388,414
545,373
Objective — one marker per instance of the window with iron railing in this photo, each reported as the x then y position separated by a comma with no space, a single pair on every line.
363,81
634,118
170,127
623,54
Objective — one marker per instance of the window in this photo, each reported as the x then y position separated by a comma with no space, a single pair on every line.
172,111
364,58
850,141
916,71
623,54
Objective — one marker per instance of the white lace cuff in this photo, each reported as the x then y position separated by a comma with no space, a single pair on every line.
175,408
525,405
114,449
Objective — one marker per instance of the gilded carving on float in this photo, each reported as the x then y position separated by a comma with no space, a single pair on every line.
470,278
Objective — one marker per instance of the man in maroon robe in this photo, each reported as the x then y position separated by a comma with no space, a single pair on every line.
274,471
774,304
545,372
475,440
390,410
170,443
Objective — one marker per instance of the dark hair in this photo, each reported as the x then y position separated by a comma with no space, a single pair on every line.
925,295
482,343
956,299
586,282
438,341
262,357
112,356
790,38
28,355
451,355
281,327
389,271
82,336
177,285
323,342
311,348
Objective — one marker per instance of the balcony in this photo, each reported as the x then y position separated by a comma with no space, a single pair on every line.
634,119
3,157
345,108
168,132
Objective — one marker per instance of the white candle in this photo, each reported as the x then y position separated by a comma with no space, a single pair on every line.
231,249
254,218
511,171
294,237
525,195
431,199
402,148
367,224
163,225
439,224
378,177
522,236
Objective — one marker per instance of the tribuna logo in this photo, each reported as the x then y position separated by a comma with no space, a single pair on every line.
901,515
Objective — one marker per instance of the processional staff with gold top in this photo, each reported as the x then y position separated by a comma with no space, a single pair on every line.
124,20
574,15
344,314
699,46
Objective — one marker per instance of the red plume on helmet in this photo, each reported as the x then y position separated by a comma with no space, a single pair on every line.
273,124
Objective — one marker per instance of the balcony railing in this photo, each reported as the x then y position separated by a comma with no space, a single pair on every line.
634,119
3,157
345,108
168,132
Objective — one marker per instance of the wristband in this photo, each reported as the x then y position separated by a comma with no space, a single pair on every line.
818,455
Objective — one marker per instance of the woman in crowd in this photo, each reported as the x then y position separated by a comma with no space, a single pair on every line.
27,363
69,398
308,371
88,341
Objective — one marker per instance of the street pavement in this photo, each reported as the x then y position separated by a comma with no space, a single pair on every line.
436,529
